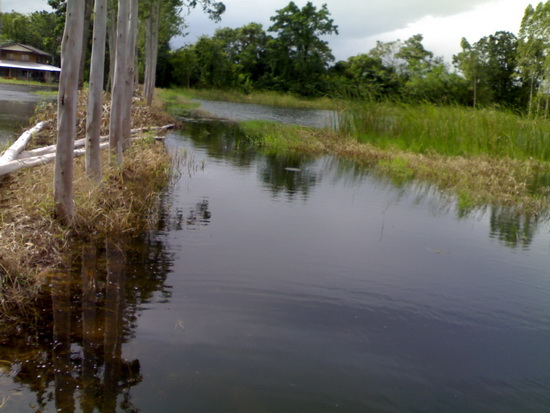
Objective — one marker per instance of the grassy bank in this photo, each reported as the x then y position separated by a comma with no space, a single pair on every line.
25,82
32,242
257,97
475,180
448,130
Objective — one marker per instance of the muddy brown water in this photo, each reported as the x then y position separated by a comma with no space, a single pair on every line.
279,283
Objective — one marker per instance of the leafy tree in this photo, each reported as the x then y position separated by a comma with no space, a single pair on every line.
162,22
246,50
499,51
534,51
364,76
469,61
437,86
298,56
37,29
213,67
417,60
184,62
489,65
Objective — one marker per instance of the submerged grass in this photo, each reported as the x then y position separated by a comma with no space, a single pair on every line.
474,180
258,97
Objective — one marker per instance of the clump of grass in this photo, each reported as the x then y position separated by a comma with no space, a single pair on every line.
269,98
277,137
449,130
32,241
173,102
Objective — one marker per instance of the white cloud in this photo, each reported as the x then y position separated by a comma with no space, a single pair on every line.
361,22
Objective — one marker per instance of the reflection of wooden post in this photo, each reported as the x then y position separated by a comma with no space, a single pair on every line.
114,323
90,335
61,303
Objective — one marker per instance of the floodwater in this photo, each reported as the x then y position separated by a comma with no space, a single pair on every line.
17,104
293,284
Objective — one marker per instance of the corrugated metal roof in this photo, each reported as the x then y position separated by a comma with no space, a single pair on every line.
8,46
28,66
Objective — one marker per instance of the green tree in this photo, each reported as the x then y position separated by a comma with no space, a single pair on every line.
364,76
534,53
298,56
417,60
184,64
469,62
37,29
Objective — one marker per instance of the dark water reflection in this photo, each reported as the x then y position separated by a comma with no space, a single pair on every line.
295,284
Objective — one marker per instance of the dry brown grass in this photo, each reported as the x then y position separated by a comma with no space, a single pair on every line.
33,242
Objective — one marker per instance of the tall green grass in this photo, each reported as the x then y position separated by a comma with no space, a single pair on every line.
450,130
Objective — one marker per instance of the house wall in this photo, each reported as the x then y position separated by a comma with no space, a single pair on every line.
21,56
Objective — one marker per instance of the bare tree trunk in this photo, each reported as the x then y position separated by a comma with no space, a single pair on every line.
71,49
111,31
95,97
85,36
130,59
118,95
151,51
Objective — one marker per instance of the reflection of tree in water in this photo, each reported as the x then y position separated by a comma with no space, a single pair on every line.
74,354
71,354
511,229
288,174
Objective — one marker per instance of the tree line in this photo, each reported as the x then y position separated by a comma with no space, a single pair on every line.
292,55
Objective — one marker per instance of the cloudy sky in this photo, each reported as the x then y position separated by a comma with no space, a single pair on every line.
362,22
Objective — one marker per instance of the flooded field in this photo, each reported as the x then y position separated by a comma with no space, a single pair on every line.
293,284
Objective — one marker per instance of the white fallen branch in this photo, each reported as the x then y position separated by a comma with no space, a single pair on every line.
44,158
13,166
81,142
15,149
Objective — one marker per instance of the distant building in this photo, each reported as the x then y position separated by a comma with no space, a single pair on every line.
24,62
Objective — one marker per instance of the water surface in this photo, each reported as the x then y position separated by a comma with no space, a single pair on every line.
17,104
295,284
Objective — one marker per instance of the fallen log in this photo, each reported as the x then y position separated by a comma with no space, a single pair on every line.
17,147
13,166
81,142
